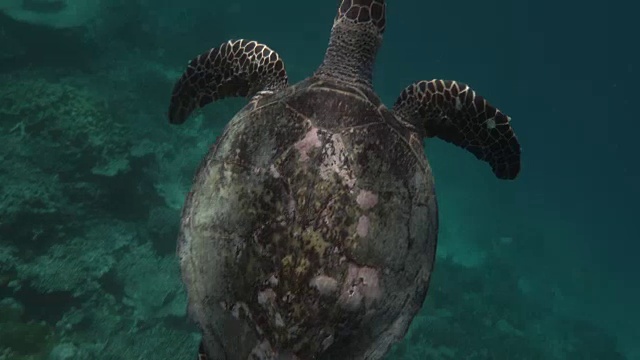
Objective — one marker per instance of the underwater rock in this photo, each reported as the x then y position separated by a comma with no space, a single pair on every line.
52,13
64,351
52,127
19,338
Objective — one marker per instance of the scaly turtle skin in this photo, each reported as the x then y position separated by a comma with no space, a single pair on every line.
310,231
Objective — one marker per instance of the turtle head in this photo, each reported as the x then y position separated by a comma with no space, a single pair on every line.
355,38
362,13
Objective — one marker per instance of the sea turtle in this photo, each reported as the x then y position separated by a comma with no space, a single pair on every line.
310,230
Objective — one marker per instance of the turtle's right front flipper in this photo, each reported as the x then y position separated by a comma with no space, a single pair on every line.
235,68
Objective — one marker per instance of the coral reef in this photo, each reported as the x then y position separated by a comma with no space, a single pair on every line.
21,339
88,220
470,315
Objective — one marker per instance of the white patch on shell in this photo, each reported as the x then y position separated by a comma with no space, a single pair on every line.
366,199
267,296
273,280
309,142
291,209
263,350
235,310
279,321
458,104
328,341
335,157
361,285
363,226
274,172
325,285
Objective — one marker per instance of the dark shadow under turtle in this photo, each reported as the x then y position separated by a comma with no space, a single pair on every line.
310,231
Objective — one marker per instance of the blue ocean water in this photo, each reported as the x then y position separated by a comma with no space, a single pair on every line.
94,177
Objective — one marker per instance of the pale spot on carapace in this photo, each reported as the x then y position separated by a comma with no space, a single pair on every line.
274,172
279,321
366,199
336,161
324,284
309,142
240,308
267,296
263,350
361,285
363,226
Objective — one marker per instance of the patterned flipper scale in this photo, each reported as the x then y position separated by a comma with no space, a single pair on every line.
453,112
237,68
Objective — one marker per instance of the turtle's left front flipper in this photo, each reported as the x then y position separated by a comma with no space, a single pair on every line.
453,112
235,68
